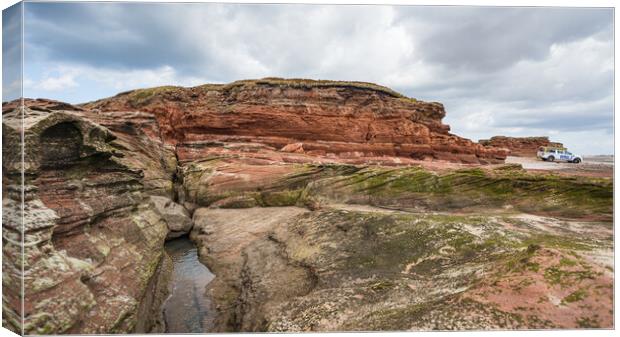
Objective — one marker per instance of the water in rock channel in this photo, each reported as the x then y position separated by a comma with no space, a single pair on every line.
188,308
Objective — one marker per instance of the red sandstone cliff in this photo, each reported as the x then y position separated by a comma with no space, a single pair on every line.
322,118
98,178
102,191
519,146
92,233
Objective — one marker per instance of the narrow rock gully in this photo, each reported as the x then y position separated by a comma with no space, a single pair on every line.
189,308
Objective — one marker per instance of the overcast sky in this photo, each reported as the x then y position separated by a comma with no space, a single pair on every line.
498,71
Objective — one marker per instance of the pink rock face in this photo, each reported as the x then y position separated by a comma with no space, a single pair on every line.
329,118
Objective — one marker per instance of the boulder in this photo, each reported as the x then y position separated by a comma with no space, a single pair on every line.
176,216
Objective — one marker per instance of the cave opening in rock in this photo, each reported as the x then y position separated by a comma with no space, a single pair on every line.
60,145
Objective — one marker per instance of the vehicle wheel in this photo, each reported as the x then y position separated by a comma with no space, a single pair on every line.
577,161
550,158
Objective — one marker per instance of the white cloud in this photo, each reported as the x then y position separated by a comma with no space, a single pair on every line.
571,89
65,78
509,71
123,80
62,82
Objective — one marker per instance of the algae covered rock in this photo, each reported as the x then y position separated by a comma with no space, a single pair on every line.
354,267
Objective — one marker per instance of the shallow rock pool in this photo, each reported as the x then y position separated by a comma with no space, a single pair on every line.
188,309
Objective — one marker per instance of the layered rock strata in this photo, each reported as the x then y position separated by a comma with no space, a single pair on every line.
519,146
92,238
321,118
307,226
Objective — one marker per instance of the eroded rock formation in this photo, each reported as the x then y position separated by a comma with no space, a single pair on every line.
322,118
519,146
93,259
278,185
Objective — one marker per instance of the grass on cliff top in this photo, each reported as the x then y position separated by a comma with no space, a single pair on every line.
533,138
139,96
309,83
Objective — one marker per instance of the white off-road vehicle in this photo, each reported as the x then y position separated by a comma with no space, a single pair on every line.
558,154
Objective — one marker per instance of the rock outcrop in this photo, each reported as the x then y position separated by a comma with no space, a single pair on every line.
322,118
92,256
377,256
352,268
519,146
277,184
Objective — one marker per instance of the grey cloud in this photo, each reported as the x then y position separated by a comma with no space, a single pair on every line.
126,35
488,39
559,122
523,66
11,52
191,37
289,39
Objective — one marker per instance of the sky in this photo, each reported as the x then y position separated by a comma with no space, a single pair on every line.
514,71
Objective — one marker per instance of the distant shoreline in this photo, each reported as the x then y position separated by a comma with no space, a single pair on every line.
600,158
